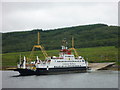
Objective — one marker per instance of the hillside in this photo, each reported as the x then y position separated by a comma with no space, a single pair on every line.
85,36
94,54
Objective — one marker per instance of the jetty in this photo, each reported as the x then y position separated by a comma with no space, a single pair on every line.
100,66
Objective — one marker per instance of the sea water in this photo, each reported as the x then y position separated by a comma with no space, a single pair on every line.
91,79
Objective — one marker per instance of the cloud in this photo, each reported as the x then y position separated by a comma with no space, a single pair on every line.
49,15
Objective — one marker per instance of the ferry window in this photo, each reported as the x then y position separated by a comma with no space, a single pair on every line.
82,60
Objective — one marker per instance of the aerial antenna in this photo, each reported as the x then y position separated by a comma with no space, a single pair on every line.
64,42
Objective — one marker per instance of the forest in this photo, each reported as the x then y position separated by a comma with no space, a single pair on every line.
94,35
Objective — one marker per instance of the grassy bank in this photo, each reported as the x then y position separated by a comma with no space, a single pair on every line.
96,54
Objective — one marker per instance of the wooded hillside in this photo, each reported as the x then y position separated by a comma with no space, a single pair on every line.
85,36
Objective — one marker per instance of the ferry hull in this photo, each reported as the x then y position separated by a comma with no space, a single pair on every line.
25,72
44,71
60,70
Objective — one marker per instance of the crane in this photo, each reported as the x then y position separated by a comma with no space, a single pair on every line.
76,54
40,47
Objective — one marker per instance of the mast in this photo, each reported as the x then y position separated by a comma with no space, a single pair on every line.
20,59
24,62
72,42
76,54
38,38
64,44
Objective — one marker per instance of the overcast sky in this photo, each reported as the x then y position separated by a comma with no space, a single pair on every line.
22,16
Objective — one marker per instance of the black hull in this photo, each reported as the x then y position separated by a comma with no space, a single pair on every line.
44,71
25,72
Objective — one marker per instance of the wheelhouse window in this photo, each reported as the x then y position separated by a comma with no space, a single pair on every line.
83,60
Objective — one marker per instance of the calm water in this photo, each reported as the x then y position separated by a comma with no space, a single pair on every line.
94,79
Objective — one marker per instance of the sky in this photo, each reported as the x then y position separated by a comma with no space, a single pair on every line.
22,16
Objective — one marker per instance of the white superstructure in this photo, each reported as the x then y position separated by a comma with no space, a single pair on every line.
65,59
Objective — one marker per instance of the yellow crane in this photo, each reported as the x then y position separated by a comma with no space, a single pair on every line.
76,54
40,47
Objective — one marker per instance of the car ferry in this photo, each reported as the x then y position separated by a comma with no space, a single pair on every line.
66,62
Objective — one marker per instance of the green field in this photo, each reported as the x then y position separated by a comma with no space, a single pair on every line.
95,54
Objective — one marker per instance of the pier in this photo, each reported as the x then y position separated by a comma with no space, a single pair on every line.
99,66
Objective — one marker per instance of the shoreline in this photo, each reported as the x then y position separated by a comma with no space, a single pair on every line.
113,67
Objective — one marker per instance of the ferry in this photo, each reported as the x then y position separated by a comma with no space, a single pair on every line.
66,62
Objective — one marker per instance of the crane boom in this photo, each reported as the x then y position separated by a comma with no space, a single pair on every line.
38,38
76,54
40,47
